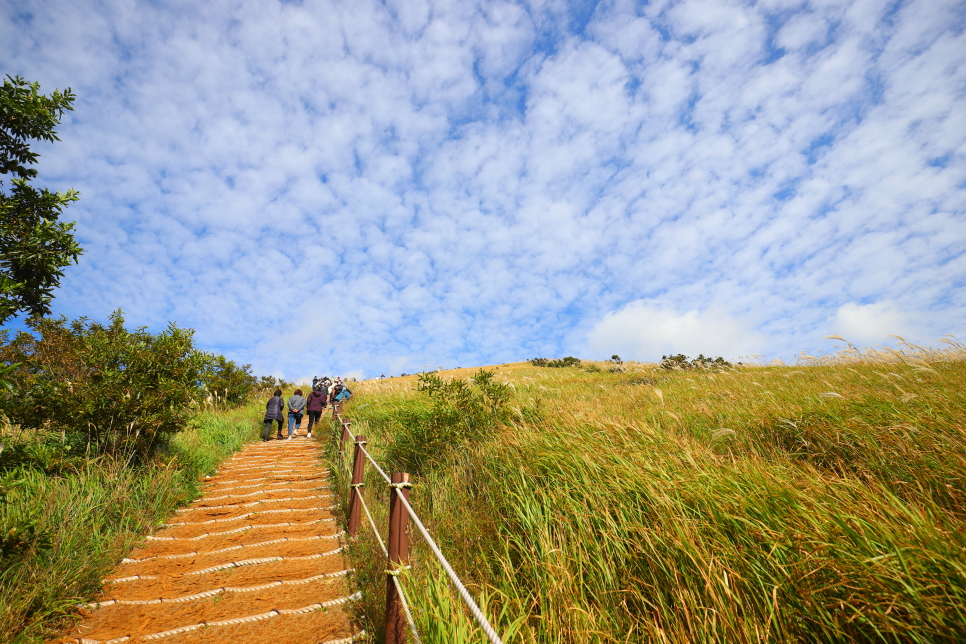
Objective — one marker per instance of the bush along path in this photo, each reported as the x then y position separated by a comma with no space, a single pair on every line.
258,558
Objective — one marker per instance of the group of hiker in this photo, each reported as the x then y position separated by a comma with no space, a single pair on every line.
324,390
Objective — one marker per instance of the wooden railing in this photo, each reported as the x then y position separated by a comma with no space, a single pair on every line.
396,550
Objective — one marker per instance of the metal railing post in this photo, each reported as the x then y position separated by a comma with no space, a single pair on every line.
398,548
358,474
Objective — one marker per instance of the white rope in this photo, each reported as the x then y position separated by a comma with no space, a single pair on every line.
303,478
301,475
249,514
405,605
229,548
251,503
228,622
465,594
372,523
228,566
217,591
395,581
151,537
255,463
375,464
255,493
347,640
268,466
250,457
262,560
274,471
261,462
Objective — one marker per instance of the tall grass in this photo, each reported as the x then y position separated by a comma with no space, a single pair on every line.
86,514
821,502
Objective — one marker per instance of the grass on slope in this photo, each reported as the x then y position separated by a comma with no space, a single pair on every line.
78,517
767,504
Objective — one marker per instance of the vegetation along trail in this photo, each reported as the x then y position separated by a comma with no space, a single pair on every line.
693,501
257,558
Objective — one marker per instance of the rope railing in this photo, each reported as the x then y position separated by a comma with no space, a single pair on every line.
395,580
460,588
397,552
376,465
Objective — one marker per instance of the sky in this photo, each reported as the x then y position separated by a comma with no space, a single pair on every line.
379,187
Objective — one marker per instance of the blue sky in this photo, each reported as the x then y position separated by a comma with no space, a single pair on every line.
365,187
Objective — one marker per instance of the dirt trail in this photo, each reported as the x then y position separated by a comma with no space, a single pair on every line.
258,558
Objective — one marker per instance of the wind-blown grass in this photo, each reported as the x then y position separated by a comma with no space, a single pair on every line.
821,502
87,514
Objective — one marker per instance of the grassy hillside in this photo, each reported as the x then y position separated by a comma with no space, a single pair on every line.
66,520
822,502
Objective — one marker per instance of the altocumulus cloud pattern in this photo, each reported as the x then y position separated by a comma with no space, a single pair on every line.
331,186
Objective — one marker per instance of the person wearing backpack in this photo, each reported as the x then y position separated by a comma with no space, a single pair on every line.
296,405
314,406
273,413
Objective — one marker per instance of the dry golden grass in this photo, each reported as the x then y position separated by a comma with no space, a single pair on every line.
817,502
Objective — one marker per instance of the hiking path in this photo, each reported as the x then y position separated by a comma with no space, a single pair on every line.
258,558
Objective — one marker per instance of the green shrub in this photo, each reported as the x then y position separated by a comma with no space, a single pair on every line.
681,361
104,388
459,411
569,361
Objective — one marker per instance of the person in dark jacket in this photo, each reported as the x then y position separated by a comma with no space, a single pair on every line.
273,413
314,406
296,405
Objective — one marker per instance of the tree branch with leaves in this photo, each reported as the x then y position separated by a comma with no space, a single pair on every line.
34,244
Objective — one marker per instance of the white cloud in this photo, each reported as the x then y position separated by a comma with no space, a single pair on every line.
801,30
644,331
869,324
384,186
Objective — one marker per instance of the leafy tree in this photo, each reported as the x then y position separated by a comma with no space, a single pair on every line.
34,244
227,382
106,389
270,382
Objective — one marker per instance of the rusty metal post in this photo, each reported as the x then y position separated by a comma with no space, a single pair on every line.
358,475
398,557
